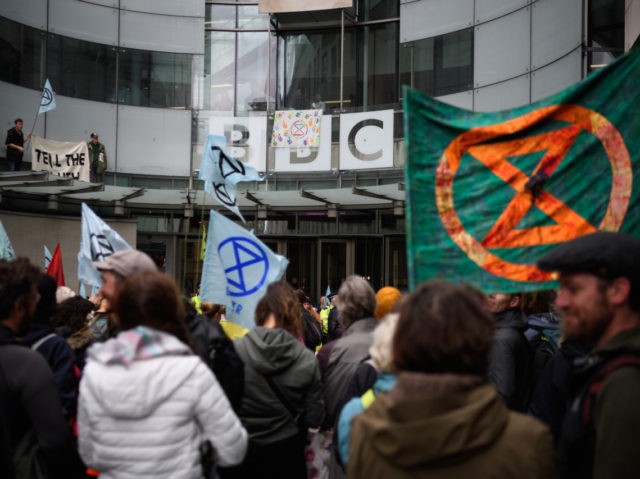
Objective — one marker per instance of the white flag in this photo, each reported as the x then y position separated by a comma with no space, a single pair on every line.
237,269
6,248
221,173
47,99
98,241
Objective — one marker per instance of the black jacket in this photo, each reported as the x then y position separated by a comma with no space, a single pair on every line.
511,366
16,138
552,396
32,402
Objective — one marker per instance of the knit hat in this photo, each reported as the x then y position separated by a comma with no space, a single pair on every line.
126,262
387,298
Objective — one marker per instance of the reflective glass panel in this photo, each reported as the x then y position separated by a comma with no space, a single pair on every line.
377,9
249,18
82,69
220,17
20,54
219,70
253,68
156,79
309,70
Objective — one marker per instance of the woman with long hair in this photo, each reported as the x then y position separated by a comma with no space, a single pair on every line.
147,403
282,392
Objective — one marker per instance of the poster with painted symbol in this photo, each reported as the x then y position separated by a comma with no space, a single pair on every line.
296,129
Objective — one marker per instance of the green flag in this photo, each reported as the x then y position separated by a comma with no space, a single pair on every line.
490,193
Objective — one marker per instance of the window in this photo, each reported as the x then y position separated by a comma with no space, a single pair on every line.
80,69
440,65
21,53
156,79
606,32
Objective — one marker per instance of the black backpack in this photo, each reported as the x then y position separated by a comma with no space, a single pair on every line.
217,350
578,430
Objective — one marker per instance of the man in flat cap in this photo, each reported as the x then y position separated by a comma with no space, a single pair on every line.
599,276
114,270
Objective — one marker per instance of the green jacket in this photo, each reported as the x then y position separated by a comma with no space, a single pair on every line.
94,155
447,426
616,415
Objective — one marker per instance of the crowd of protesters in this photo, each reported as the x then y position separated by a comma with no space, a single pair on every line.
445,381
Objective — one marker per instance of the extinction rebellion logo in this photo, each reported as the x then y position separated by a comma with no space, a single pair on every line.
482,145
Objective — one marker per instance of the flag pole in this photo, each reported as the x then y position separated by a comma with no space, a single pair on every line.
35,120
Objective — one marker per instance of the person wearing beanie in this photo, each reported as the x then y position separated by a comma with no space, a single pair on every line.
387,298
114,270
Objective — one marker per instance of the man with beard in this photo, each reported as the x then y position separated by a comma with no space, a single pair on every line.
31,413
599,277
511,366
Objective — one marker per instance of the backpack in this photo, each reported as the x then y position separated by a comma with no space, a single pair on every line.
218,352
578,430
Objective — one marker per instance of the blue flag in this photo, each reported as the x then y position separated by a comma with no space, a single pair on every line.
221,173
47,257
237,269
98,241
48,99
6,248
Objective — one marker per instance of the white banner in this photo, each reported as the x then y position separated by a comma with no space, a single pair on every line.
61,158
366,140
276,6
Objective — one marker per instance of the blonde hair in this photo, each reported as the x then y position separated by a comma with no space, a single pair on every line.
381,350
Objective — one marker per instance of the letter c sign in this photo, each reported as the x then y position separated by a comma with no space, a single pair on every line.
366,140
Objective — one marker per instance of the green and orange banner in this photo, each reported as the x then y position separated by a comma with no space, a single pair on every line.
490,193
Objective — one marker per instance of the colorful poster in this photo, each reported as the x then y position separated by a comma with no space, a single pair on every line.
489,193
307,159
296,129
278,6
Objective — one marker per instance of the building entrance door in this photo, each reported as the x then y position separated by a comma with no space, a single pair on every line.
335,263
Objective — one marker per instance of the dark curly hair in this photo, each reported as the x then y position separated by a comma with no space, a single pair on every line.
281,301
152,299
443,328
18,279
72,312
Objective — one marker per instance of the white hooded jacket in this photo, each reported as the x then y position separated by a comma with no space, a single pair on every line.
147,403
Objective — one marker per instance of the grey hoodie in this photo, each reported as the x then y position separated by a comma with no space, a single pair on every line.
294,370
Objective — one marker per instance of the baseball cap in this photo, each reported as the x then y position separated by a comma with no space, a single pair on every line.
126,262
605,254
94,135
